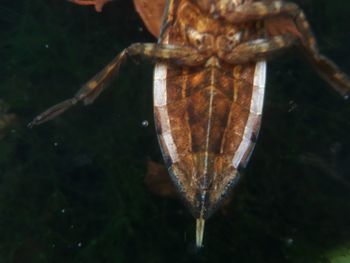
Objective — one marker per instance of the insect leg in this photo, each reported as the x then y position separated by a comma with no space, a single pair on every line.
326,68
93,88
330,72
258,10
264,10
269,9
88,93
179,55
258,49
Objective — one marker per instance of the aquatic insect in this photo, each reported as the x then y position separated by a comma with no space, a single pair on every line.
209,84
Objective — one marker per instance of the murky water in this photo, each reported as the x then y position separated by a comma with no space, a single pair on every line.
73,190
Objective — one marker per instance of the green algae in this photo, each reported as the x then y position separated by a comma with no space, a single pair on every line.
340,254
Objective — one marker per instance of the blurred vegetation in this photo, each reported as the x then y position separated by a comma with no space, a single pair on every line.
73,190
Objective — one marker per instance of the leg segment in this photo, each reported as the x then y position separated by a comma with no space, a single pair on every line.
264,10
266,48
258,49
92,89
258,10
330,72
307,42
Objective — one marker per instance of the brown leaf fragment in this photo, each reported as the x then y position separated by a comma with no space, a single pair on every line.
158,180
151,12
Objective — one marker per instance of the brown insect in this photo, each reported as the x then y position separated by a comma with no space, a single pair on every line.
209,84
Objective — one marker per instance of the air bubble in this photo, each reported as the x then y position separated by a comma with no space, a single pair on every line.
145,123
292,106
289,241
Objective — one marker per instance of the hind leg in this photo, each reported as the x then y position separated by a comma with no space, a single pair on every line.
178,55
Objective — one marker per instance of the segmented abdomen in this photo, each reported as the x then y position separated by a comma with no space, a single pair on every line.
207,121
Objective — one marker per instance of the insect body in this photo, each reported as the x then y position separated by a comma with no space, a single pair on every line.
209,84
204,116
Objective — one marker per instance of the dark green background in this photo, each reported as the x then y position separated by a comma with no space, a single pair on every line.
73,190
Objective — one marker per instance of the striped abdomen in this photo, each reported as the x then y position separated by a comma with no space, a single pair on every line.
207,121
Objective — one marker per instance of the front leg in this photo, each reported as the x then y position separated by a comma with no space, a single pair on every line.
92,89
259,49
270,10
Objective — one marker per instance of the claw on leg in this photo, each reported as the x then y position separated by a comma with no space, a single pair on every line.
97,3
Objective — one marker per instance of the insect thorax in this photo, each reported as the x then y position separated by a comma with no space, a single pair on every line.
208,34
218,6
